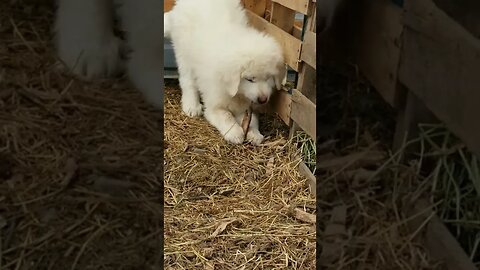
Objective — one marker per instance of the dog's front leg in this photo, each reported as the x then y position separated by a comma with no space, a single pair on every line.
253,135
225,122
141,20
84,38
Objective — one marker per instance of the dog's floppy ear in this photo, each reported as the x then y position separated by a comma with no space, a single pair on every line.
232,84
281,77
231,78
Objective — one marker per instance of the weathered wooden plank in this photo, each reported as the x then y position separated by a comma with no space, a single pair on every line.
283,17
412,113
297,5
440,64
307,82
309,49
465,12
378,46
280,103
297,32
303,112
258,7
297,29
440,243
312,19
291,46
312,181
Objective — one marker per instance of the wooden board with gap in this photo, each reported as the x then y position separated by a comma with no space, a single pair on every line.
283,17
377,50
301,6
303,112
309,49
291,46
438,240
440,64
258,7
280,103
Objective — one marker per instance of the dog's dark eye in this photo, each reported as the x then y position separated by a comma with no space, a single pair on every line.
251,79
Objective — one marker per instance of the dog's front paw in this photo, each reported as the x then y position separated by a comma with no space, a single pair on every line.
192,109
191,106
93,57
235,135
255,137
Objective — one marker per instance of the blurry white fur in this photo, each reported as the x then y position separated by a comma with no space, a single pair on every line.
227,62
87,45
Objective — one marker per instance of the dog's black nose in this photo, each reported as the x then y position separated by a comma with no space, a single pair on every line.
262,99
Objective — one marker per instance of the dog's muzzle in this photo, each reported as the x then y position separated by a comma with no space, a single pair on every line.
262,99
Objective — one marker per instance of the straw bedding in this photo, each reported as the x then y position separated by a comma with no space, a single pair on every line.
365,192
80,163
233,207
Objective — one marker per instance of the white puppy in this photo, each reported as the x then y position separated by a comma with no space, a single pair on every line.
86,42
225,60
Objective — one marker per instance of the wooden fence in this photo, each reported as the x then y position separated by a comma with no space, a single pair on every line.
423,57
295,105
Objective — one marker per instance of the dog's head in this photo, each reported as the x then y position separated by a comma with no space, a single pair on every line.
261,69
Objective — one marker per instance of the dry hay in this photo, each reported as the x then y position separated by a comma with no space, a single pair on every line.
455,176
80,163
364,192
365,219
233,207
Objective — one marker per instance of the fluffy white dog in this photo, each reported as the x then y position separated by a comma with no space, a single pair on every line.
227,62
86,42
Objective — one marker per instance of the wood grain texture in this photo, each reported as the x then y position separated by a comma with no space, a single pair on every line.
438,240
291,46
440,64
307,82
312,181
304,113
283,17
281,103
258,7
378,48
297,5
309,49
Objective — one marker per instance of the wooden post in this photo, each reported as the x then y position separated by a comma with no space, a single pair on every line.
410,115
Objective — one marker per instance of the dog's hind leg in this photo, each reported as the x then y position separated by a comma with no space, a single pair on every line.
141,19
85,40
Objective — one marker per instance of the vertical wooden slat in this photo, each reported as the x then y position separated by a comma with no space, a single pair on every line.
283,17
258,7
297,5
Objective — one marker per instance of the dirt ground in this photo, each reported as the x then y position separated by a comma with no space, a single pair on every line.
80,163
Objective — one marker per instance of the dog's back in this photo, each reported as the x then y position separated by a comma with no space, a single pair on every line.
206,15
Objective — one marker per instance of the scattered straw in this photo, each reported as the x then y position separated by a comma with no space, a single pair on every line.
60,138
228,206
364,192
456,187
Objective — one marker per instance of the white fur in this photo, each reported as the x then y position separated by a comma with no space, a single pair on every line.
217,53
86,43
